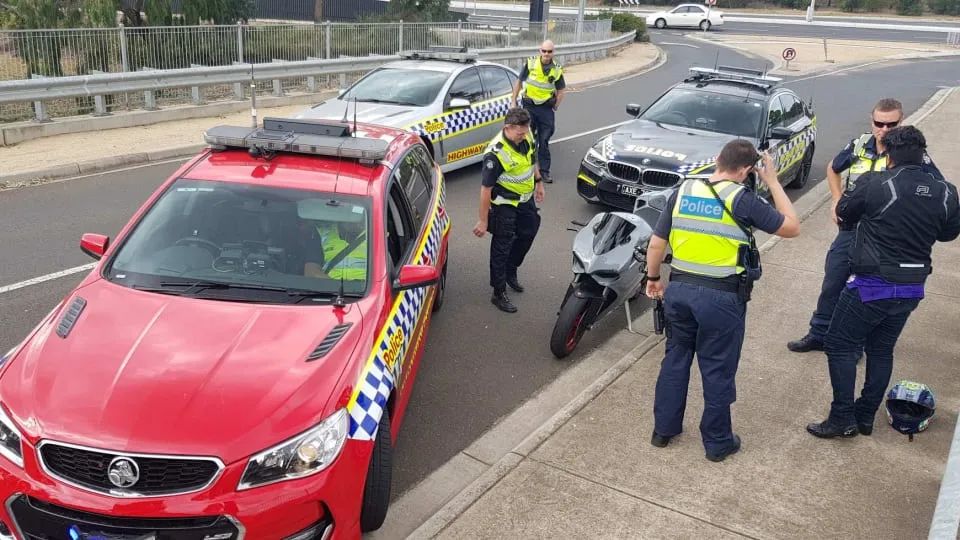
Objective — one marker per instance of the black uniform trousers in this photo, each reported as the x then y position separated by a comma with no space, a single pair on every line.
709,323
542,122
513,230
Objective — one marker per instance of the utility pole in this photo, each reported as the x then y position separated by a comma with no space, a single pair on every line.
580,13
810,9
318,11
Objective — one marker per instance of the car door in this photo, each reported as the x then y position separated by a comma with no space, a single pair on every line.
677,16
463,125
789,152
694,15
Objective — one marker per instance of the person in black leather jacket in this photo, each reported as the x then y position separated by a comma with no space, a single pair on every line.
900,213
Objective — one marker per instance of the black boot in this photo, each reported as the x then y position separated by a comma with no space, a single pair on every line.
829,429
514,283
806,344
546,178
503,303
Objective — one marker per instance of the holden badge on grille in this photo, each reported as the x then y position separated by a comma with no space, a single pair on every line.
123,472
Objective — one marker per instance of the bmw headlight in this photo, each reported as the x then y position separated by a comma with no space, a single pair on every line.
10,440
595,156
303,455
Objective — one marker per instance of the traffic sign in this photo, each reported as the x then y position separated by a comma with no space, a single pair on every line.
711,2
789,54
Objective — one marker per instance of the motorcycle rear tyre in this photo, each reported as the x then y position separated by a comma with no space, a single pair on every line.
570,326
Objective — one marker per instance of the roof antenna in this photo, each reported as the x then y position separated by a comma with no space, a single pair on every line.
253,98
354,132
716,63
339,300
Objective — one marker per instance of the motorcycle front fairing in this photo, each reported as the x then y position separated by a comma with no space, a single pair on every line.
603,255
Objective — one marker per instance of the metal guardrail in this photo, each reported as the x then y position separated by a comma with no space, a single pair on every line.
98,86
26,54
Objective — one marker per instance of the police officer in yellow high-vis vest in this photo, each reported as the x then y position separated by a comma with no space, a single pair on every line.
542,84
708,224
864,154
344,250
510,190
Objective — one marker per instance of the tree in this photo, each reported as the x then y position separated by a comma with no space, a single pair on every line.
216,11
909,7
420,10
945,7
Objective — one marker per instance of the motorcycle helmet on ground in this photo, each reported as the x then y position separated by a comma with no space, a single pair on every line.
910,405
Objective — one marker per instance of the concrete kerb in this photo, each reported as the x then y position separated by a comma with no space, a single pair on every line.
807,205
59,172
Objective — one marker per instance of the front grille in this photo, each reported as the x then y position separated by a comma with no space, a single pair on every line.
39,520
157,475
661,179
624,171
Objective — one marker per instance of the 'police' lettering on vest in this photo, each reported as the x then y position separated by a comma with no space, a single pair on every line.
700,207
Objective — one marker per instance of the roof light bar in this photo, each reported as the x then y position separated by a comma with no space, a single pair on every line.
456,54
735,73
331,139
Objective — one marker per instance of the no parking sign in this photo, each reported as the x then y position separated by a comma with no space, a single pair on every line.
789,54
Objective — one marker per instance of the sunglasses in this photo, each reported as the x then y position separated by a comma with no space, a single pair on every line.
546,51
879,124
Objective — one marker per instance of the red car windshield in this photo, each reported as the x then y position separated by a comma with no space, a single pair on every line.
244,242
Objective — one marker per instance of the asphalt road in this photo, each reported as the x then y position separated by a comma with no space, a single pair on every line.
479,364
791,30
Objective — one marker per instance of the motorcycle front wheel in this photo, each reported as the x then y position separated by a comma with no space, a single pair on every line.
571,324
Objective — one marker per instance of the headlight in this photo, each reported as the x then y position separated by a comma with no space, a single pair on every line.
10,446
595,156
303,455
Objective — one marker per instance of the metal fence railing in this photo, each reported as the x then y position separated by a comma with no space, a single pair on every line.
26,54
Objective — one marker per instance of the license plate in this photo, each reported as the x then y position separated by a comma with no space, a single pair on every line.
634,191
76,534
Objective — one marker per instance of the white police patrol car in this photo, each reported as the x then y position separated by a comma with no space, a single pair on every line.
455,102
681,133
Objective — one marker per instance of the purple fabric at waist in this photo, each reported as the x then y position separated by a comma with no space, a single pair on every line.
873,288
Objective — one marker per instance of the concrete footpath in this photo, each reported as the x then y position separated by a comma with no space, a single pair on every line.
591,471
40,160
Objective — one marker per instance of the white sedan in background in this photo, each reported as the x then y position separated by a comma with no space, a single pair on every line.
689,15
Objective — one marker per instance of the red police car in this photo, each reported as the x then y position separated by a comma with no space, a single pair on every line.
240,360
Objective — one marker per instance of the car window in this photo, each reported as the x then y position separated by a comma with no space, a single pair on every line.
467,85
241,235
696,10
415,177
495,81
792,109
513,78
775,115
408,87
708,111
681,9
401,233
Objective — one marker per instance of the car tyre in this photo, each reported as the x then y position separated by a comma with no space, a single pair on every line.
803,175
705,25
660,23
376,491
441,290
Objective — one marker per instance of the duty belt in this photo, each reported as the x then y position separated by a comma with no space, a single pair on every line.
720,284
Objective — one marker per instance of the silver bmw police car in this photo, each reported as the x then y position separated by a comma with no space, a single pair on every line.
455,102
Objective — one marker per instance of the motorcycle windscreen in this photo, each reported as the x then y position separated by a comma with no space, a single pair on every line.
611,232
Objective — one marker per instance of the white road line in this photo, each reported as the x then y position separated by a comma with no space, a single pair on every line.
592,131
681,44
48,277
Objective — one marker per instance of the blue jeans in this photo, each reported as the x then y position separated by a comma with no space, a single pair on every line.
875,327
836,270
709,323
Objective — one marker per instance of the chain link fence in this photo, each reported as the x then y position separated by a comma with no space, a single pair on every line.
57,53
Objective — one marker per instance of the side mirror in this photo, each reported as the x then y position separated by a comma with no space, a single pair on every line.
459,103
781,133
633,109
413,276
94,245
